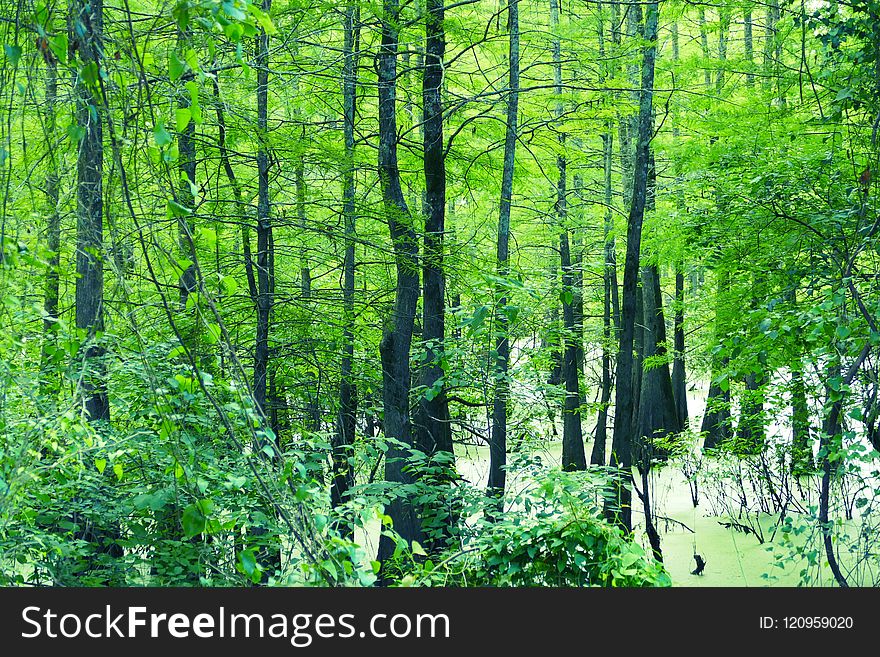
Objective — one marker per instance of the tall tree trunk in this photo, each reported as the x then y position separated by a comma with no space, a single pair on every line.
498,437
723,30
802,451
88,17
264,223
621,451
748,45
343,443
704,46
398,332
573,456
50,380
187,153
312,419
679,378
434,433
657,414
716,424
270,553
609,321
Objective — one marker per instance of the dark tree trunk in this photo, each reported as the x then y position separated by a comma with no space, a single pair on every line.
434,434
498,438
621,451
312,419
398,332
573,456
802,442
186,146
88,33
609,279
50,381
270,553
657,414
748,45
750,428
716,424
610,300
679,379
343,474
264,224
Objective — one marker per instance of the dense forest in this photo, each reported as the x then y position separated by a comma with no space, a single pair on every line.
439,293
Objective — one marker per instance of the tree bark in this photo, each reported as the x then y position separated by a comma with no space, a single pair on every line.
398,333
679,378
621,452
434,434
88,17
657,413
343,444
573,456
264,224
50,380
498,437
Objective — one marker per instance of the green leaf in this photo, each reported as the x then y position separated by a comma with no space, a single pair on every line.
194,107
843,332
101,464
263,20
13,54
182,117
248,561
117,470
207,236
193,521
175,209
418,549
228,285
176,68
213,333
58,44
161,136
75,132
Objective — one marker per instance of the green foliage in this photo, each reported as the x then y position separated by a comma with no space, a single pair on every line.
552,535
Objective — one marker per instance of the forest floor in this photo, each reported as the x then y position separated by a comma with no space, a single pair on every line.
733,557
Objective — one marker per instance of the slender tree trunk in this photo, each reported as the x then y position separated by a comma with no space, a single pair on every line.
657,414
88,30
621,451
187,155
748,45
434,429
50,380
434,435
609,321
716,424
398,332
679,379
498,438
704,46
343,473
802,452
573,457
264,223
723,30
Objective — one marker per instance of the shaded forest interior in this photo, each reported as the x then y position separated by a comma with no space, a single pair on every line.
314,292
